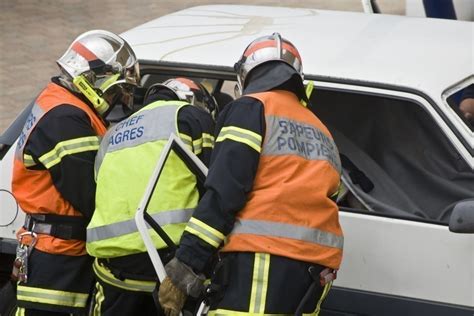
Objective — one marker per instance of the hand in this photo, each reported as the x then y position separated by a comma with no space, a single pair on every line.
171,298
180,282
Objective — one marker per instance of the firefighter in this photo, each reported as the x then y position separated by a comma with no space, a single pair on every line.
270,193
53,173
126,160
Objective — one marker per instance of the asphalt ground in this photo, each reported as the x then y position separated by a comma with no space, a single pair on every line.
34,33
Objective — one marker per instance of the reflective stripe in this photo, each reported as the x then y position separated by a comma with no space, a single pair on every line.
132,285
336,194
241,135
129,226
187,140
98,299
200,229
46,296
197,146
206,141
275,229
33,118
226,312
28,160
326,289
69,147
290,137
258,294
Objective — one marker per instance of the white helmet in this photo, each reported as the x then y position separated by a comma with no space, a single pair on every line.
265,49
189,91
103,67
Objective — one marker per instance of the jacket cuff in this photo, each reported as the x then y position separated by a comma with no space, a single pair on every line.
194,252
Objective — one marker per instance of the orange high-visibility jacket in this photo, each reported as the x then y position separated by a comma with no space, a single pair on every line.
290,212
34,189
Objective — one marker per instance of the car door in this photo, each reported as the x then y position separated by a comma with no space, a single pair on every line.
407,169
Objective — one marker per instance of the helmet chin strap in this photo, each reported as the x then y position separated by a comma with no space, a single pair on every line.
238,89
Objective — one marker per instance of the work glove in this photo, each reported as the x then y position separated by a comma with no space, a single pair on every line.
171,298
180,282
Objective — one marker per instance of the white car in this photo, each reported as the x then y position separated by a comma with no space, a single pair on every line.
388,88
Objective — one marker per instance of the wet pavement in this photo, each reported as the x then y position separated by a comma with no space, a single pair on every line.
34,33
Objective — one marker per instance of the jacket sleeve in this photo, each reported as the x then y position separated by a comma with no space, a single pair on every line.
65,144
196,129
234,161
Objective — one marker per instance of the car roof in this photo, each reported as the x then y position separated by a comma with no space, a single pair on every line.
424,54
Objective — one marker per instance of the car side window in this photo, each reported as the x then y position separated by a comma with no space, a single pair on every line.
462,102
396,159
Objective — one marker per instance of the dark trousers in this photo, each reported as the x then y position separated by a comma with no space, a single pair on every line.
110,300
125,286
56,285
264,284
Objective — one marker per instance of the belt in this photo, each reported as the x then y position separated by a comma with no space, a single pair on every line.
121,267
59,226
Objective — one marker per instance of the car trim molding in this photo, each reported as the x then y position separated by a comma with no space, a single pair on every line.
371,303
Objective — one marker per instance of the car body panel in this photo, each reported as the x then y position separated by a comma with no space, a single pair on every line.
401,257
332,44
11,216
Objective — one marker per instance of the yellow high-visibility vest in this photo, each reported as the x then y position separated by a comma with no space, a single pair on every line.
125,162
